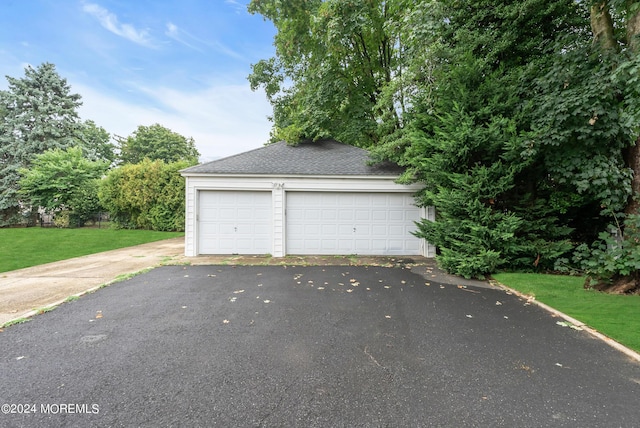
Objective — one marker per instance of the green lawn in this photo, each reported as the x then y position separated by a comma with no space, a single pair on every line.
616,316
25,247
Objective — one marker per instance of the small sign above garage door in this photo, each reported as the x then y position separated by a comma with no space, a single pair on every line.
351,223
234,222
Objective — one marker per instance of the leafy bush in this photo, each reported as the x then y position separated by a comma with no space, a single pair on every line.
147,195
64,182
613,257
62,219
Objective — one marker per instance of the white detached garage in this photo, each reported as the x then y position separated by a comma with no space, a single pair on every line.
317,198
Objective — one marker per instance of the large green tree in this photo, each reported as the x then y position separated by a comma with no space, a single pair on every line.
592,139
96,142
341,67
467,132
39,112
156,142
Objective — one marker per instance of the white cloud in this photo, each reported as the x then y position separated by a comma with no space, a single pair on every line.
222,119
176,34
239,7
198,44
110,21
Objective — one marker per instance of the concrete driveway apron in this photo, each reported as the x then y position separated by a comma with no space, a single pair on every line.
314,346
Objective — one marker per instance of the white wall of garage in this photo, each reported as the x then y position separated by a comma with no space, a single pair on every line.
278,187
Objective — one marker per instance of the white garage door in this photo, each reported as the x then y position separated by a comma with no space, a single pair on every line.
351,223
234,222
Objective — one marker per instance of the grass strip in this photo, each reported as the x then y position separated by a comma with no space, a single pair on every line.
26,247
616,316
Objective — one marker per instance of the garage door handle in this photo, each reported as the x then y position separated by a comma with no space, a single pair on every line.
354,230
235,229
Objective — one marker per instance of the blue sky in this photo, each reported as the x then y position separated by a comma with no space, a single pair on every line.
181,63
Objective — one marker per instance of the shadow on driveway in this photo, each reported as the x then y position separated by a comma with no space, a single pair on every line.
312,346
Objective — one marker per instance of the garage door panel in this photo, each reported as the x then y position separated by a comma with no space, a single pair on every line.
380,229
345,214
379,215
362,215
329,229
234,222
344,230
329,215
351,223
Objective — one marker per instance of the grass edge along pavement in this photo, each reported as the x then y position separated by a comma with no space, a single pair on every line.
72,298
611,317
27,247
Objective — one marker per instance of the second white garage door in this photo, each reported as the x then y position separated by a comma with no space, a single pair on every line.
351,223
233,222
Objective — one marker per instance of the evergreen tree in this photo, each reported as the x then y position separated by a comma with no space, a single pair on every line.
467,134
39,113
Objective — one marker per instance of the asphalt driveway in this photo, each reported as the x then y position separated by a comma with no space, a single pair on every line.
316,346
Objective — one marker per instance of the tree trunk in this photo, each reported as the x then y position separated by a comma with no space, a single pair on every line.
633,29
633,39
633,159
602,26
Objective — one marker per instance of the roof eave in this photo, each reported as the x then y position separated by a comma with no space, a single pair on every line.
247,175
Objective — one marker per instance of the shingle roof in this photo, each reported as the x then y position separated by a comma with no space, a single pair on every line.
325,157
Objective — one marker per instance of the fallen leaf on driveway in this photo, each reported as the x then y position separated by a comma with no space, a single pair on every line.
233,299
498,303
267,301
225,322
320,288
350,290
427,284
469,316
388,317
568,324
241,291
99,314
